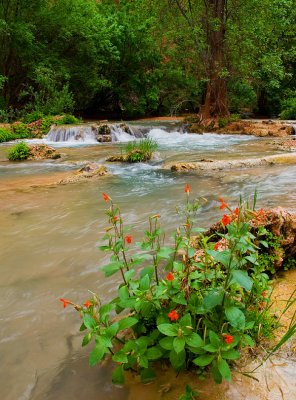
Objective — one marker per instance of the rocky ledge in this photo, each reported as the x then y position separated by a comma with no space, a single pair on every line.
42,152
211,165
245,127
88,171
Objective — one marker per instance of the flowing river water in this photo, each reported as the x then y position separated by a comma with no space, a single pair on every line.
49,239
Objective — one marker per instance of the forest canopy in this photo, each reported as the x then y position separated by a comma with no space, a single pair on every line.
133,58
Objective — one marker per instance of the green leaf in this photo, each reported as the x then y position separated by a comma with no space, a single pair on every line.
147,375
96,355
213,299
180,299
112,268
204,360
211,348
147,271
177,359
104,312
230,354
112,329
82,327
222,257
123,292
153,353
179,344
129,274
216,374
118,375
168,329
235,317
145,282
242,278
89,322
127,323
86,339
224,369
248,340
120,357
165,252
143,361
194,340
167,343
186,320
118,246
214,339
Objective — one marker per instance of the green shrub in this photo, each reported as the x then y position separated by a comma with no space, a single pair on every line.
289,108
6,135
21,130
140,151
32,117
68,119
20,151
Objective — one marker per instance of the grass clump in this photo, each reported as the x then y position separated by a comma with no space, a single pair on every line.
6,135
20,151
140,151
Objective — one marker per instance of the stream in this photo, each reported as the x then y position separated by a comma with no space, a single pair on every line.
49,240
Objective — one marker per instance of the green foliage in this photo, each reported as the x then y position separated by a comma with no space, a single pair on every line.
32,117
68,119
20,130
19,152
139,151
289,107
6,135
195,303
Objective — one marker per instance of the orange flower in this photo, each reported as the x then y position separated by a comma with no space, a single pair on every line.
228,339
65,302
173,315
226,219
216,247
115,218
236,211
170,276
106,197
187,188
223,204
128,239
87,304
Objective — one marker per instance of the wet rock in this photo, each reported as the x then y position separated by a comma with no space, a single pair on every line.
117,158
42,151
88,171
104,130
210,165
104,138
260,129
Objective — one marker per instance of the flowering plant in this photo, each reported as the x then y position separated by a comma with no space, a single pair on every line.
195,303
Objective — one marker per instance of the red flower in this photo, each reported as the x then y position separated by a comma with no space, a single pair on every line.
65,302
223,204
170,276
187,188
106,197
87,304
115,218
228,339
173,315
216,247
226,219
236,211
128,239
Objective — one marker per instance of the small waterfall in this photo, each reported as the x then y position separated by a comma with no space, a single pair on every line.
122,133
80,133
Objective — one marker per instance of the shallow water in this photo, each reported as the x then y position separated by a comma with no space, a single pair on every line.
49,241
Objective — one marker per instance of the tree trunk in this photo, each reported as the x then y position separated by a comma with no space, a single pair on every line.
216,99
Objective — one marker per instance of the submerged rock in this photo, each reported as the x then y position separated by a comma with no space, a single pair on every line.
42,151
88,171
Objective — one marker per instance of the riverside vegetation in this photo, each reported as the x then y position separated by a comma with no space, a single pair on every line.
198,304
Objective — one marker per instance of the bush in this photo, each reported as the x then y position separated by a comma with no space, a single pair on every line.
20,151
68,119
32,117
20,130
289,108
140,151
6,135
196,303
